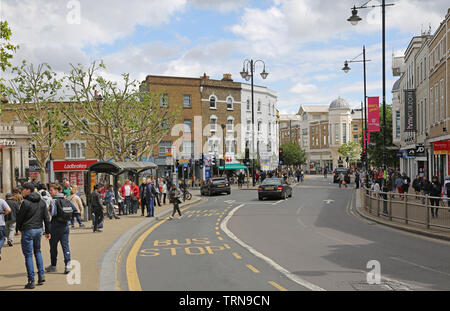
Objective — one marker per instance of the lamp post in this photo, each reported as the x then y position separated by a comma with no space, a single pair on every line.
346,69
354,19
247,76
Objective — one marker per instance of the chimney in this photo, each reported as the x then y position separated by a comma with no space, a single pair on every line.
227,77
204,77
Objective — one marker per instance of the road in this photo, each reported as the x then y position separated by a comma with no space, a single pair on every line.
312,241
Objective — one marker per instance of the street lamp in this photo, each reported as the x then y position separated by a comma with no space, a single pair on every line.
247,76
347,69
354,19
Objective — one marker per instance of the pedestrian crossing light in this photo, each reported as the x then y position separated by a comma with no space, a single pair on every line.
280,156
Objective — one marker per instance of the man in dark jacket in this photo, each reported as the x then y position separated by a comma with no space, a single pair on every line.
143,195
10,219
97,207
150,196
32,212
425,186
435,194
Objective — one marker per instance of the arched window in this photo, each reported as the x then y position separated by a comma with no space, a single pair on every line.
212,102
230,103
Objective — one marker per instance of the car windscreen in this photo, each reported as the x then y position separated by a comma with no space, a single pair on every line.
218,181
271,181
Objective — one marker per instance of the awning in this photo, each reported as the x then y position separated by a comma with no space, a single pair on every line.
234,166
117,168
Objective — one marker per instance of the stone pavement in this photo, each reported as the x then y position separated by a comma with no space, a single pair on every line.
85,246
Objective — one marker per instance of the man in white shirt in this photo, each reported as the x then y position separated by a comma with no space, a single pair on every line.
125,192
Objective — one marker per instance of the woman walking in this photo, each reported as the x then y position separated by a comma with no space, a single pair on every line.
76,201
174,197
164,191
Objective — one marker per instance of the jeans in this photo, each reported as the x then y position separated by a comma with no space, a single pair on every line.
2,237
10,230
31,243
77,216
59,233
143,205
127,205
150,207
110,210
97,218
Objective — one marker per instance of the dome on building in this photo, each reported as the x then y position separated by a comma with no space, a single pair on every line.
339,103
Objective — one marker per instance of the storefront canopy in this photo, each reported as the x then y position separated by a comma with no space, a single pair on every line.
117,168
234,166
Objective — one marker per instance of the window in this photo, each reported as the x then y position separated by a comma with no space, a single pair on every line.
355,127
336,134
344,133
259,106
75,149
248,104
164,100
187,126
230,124
249,125
259,126
436,103
188,148
425,108
187,101
397,124
355,138
213,145
229,145
442,100
229,103
212,102
32,151
213,123
164,148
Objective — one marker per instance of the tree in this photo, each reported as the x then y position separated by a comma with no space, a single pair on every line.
34,94
375,152
352,150
293,154
6,50
122,122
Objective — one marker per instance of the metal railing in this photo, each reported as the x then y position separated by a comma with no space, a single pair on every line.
412,209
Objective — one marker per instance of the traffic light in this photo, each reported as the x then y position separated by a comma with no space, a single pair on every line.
280,156
221,162
247,156
363,155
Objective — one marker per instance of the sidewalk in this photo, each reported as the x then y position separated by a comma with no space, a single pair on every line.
417,229
85,246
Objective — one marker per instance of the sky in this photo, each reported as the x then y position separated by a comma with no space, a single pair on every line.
303,43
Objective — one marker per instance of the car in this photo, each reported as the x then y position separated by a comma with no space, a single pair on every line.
215,185
337,171
274,187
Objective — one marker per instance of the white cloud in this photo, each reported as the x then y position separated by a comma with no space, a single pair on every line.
220,5
301,88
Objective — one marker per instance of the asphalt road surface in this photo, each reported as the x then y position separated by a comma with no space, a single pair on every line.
312,241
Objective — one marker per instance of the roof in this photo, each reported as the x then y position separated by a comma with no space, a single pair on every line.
287,117
396,85
339,103
314,108
117,168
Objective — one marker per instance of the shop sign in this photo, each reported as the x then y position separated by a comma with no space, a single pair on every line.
64,166
441,147
7,142
420,151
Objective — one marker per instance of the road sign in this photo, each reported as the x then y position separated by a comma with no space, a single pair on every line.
185,164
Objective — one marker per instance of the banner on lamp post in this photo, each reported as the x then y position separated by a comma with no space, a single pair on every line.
410,111
373,105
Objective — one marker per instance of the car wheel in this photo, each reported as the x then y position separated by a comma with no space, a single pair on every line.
229,192
260,198
285,195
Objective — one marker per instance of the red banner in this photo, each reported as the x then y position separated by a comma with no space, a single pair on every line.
441,147
373,105
64,166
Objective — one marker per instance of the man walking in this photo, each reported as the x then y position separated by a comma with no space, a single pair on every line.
143,195
32,213
357,179
151,193
11,218
174,197
97,208
61,210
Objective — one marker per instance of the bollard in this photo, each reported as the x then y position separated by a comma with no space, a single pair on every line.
378,209
428,211
390,211
406,209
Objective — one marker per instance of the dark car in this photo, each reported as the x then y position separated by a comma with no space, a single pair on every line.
337,171
274,187
215,185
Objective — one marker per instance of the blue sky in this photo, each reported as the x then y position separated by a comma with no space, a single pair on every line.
303,43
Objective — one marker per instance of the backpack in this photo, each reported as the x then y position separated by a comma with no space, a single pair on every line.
64,210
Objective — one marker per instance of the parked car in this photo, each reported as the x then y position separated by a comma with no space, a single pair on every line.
215,185
274,187
337,171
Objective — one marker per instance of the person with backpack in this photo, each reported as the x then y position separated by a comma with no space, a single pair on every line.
174,197
32,213
11,218
97,208
61,211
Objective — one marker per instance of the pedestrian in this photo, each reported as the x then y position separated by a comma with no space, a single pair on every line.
164,191
76,201
425,187
357,179
158,192
5,210
150,196
399,185
134,198
302,175
97,209
61,212
325,172
406,183
143,195
126,191
416,186
110,200
45,195
32,213
174,197
10,219
435,196
66,187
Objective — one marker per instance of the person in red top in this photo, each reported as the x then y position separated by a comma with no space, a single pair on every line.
134,198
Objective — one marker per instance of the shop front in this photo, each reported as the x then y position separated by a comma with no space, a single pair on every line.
440,159
74,171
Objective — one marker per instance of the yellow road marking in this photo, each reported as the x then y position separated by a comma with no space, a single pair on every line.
253,268
237,256
226,245
218,233
217,228
217,223
220,238
277,286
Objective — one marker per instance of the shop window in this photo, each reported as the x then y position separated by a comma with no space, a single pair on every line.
164,148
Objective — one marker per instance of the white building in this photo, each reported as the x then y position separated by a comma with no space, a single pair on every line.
265,125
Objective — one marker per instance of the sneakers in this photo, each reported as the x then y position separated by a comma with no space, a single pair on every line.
41,280
81,225
50,269
98,230
30,285
67,269
181,216
10,243
170,217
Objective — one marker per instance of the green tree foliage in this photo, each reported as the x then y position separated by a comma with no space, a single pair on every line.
293,154
375,152
352,150
122,122
34,96
6,50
